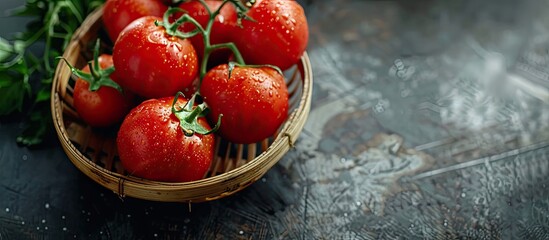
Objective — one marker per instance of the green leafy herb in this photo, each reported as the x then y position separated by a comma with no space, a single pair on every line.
25,77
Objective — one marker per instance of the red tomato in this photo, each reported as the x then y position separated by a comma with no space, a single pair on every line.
222,28
254,102
278,36
152,145
151,63
117,14
104,107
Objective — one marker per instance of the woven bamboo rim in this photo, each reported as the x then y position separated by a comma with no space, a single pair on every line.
235,167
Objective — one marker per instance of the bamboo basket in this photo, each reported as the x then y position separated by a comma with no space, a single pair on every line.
236,166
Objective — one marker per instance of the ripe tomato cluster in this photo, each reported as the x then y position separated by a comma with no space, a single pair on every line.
188,66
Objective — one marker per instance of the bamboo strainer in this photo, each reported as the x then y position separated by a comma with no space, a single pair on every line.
236,166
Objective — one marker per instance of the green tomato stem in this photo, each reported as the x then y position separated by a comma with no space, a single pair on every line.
208,47
97,77
231,46
172,29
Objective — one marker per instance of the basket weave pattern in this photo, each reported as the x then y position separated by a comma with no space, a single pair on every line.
235,166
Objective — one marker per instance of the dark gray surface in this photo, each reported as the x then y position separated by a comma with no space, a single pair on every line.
416,131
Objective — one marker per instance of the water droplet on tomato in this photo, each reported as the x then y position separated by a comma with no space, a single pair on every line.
157,37
270,93
175,47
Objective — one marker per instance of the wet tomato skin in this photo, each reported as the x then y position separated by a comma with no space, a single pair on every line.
150,62
152,145
105,106
254,102
117,14
278,34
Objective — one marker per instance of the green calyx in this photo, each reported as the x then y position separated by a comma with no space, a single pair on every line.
97,77
189,114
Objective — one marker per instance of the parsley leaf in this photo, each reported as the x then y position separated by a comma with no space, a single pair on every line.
25,77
